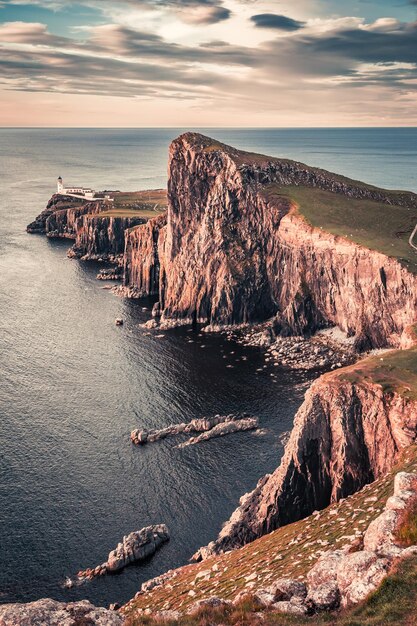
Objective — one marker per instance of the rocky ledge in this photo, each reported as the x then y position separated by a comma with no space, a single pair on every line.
135,547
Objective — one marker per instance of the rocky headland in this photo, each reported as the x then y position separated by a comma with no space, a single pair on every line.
253,240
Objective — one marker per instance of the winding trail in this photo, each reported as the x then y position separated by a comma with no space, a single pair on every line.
410,240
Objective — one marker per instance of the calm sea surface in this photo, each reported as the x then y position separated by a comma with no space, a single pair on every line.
73,385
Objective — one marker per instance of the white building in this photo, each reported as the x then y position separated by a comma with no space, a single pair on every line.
78,192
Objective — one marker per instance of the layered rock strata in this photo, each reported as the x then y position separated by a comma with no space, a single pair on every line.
55,204
101,238
345,436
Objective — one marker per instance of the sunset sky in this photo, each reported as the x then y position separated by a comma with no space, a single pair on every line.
199,63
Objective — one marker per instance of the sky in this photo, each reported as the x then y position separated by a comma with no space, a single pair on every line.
208,63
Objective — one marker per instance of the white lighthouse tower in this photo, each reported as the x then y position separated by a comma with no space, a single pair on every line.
60,185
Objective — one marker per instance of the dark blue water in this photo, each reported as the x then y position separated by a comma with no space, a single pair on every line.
73,385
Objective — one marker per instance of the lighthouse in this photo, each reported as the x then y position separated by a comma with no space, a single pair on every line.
60,185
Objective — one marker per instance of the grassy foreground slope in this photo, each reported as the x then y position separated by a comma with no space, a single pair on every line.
393,604
288,552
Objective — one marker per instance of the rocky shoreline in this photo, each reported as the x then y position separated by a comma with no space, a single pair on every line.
266,278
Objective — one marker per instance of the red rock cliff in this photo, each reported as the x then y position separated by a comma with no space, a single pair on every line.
345,435
230,254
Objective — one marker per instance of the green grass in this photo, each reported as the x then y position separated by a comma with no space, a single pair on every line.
394,603
375,225
144,204
394,371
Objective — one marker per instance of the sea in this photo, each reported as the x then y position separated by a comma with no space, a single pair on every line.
73,384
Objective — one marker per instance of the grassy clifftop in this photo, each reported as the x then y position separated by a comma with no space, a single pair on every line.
376,225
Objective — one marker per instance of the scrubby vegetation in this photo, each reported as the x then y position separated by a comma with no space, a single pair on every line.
287,552
393,604
137,204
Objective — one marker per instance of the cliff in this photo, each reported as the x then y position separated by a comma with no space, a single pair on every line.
141,258
345,436
65,223
101,237
57,203
236,248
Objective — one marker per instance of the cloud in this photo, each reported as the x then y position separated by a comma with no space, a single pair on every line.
279,22
341,61
189,11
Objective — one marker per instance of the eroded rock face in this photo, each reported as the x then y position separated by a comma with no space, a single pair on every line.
57,203
232,253
141,260
345,435
48,612
101,238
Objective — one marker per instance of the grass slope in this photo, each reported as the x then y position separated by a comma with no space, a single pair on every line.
374,225
144,204
289,551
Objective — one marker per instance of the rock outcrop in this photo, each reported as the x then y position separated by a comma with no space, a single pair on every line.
57,203
209,427
48,612
135,547
345,435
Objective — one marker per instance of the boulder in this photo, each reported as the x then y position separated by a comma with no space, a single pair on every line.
295,606
287,588
324,597
380,535
359,574
212,602
325,570
47,612
404,481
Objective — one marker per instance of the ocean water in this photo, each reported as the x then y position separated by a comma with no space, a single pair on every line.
73,385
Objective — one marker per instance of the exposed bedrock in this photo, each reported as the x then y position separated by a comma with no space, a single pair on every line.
49,612
63,223
345,435
56,203
101,238
135,547
141,259
198,425
231,253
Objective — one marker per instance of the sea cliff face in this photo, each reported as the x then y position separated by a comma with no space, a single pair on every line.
141,260
232,253
64,222
56,204
101,237
345,436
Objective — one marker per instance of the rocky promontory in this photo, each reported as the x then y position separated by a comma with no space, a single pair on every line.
236,249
